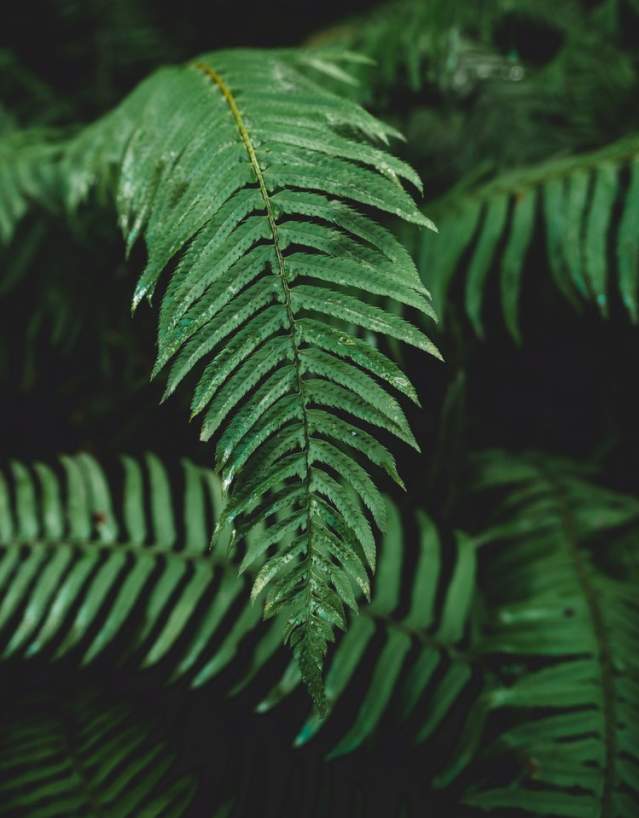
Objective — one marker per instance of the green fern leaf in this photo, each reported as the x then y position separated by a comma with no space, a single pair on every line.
85,754
257,204
552,601
29,168
482,259
628,246
492,226
95,578
75,549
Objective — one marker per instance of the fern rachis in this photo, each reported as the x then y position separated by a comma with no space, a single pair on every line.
252,176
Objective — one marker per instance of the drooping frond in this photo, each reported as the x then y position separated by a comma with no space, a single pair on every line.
250,179
28,174
587,205
565,632
87,571
85,754
408,667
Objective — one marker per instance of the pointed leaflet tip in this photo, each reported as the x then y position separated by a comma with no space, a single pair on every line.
309,729
138,295
399,482
348,56
158,366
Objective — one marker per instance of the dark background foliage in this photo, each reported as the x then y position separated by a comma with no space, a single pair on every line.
74,366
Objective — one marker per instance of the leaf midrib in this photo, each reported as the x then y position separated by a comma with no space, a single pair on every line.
216,79
153,551
75,759
609,710
138,549
524,180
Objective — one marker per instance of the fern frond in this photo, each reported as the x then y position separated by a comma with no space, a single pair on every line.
551,605
84,573
87,755
245,173
88,573
29,161
489,228
83,750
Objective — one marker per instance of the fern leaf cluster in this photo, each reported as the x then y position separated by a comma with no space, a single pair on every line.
251,179
420,671
398,37
83,750
589,205
85,570
28,174
81,567
553,605
494,658
86,755
88,573
424,45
